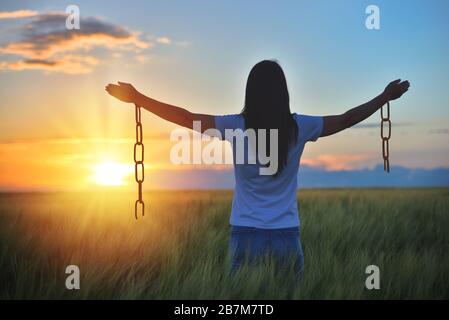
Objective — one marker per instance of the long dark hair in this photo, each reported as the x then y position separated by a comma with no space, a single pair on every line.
267,106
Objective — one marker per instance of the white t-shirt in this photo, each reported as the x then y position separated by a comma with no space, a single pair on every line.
267,201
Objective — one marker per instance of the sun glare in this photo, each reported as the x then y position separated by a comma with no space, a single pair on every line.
111,173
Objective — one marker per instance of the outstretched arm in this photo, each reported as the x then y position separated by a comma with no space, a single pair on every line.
127,93
337,123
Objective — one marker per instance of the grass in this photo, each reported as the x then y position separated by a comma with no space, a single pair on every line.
179,249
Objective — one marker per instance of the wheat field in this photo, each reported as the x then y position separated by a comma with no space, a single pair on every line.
179,249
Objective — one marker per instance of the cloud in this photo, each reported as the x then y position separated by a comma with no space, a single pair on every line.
376,177
377,125
163,40
332,162
439,131
142,58
47,45
17,14
70,64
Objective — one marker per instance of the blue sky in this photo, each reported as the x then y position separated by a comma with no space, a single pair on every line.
331,60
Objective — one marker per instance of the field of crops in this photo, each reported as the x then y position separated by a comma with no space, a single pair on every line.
179,249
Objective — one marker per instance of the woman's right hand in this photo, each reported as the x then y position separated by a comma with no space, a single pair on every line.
123,91
396,89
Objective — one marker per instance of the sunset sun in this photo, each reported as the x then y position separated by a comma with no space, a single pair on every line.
111,173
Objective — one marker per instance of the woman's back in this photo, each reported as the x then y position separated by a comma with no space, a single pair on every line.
268,201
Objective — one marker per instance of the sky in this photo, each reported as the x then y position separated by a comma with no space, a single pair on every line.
60,130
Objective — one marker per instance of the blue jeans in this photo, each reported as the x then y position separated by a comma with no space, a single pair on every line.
250,244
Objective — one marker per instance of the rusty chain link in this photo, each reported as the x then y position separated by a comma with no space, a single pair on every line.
138,163
385,137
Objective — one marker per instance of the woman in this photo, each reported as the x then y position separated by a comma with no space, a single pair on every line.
264,215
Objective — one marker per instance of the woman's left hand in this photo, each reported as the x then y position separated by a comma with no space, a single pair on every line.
123,91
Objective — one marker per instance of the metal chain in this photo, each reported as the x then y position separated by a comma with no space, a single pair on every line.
385,138
138,163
